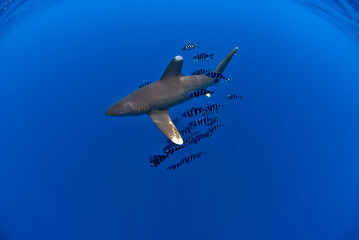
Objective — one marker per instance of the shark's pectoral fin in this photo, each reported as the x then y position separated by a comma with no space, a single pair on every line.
165,124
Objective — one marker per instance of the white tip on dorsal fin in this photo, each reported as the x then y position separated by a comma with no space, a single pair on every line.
165,124
173,69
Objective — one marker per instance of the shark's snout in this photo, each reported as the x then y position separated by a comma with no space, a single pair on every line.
115,110
110,112
121,108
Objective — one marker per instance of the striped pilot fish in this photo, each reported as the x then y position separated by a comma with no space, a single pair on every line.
145,83
192,112
202,57
209,109
199,92
157,160
206,121
190,46
233,97
198,138
187,130
176,120
187,159
217,76
171,149
215,127
192,134
202,71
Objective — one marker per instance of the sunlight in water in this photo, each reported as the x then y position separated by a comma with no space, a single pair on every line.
14,11
342,13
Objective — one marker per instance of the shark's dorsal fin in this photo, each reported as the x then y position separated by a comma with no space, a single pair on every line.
165,124
173,69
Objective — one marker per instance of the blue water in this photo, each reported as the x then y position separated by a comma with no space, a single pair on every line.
343,14
285,167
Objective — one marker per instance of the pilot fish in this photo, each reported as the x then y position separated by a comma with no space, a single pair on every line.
190,46
157,159
206,121
202,71
170,149
202,57
197,138
213,108
233,96
187,130
217,76
145,83
187,159
199,92
215,127
194,111
175,120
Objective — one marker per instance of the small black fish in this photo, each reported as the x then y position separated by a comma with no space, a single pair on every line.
202,71
206,121
187,159
190,46
172,167
213,108
199,92
202,57
192,135
157,160
169,146
175,120
217,76
192,112
187,130
198,138
215,127
170,149
145,83
233,96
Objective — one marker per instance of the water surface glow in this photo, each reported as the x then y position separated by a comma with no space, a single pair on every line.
342,13
14,11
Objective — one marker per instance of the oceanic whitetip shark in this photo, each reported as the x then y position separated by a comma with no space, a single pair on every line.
155,99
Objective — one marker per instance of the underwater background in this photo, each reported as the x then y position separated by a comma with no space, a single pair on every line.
286,166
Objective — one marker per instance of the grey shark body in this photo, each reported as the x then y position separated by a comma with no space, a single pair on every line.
156,99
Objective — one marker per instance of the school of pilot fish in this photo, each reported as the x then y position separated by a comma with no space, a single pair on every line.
197,123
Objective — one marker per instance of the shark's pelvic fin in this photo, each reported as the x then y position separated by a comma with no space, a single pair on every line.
223,64
165,124
173,69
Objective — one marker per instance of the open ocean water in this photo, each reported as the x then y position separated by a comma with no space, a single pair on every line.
286,166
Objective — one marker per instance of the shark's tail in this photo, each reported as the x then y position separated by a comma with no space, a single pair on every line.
223,64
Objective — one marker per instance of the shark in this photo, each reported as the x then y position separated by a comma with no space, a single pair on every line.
171,90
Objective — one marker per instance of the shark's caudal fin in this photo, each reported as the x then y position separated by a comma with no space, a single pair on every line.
223,64
165,124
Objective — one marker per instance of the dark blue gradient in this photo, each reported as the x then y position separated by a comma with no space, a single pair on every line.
285,167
